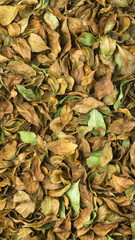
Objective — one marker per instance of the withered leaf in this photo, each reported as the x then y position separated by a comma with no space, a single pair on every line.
26,208
7,14
50,206
87,104
9,150
36,43
104,87
67,136
120,183
21,46
106,155
62,147
102,229
121,126
28,112
20,67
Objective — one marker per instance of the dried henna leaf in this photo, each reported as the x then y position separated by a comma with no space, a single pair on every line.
62,147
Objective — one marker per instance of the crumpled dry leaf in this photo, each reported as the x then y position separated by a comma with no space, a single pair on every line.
20,46
50,206
120,183
7,14
121,126
21,68
26,208
67,119
102,229
62,147
36,43
87,104
104,87
106,155
28,112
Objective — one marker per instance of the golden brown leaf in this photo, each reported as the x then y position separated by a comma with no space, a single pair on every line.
102,229
62,147
36,43
20,46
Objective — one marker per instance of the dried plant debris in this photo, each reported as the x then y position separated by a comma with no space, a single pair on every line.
67,119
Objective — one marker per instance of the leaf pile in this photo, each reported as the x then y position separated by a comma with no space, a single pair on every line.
67,119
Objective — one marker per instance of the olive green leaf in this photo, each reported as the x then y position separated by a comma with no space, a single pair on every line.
96,120
87,39
94,159
28,137
74,196
118,102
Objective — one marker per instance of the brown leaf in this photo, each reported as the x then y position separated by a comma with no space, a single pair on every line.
20,46
120,184
62,147
121,126
5,107
66,114
83,218
106,155
36,169
9,150
20,67
102,229
66,38
7,14
87,104
28,112
132,154
26,208
104,87
50,206
54,44
60,192
36,43
14,29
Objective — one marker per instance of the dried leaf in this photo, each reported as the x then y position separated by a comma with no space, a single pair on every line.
62,147
36,43
7,14
106,155
50,206
102,229
20,46
87,104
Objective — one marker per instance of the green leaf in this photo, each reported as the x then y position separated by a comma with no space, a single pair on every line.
117,104
94,159
62,209
28,137
57,114
93,176
126,143
68,99
74,197
44,4
44,70
87,39
93,216
96,120
109,238
28,94
120,3
130,192
51,20
133,228
109,27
